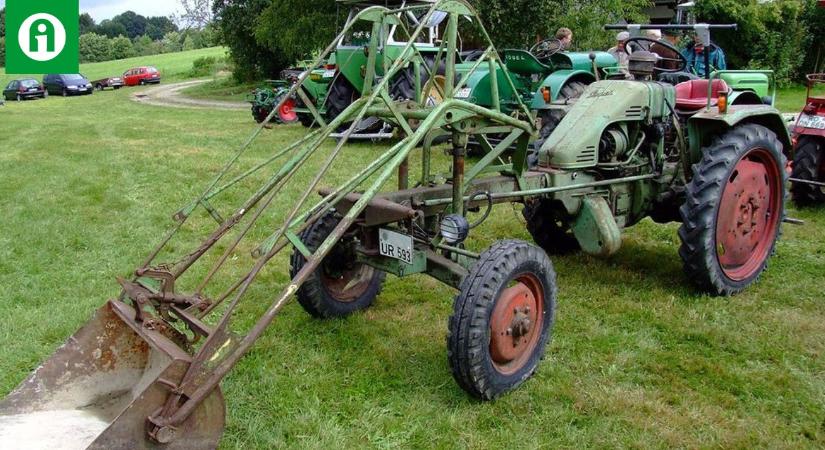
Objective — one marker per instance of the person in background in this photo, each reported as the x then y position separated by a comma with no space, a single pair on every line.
672,37
619,53
565,36
694,52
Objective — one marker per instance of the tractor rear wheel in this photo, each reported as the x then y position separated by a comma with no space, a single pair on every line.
548,228
550,118
340,285
502,319
809,165
341,94
733,210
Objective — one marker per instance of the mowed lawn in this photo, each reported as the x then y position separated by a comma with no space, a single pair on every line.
638,359
172,66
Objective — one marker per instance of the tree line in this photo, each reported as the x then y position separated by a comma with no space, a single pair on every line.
131,34
787,36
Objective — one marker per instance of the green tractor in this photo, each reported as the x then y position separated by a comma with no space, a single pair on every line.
544,77
146,369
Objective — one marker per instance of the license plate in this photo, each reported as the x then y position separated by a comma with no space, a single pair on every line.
463,93
32,89
806,121
396,245
329,73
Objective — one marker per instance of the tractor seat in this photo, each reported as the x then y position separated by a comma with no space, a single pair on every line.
693,95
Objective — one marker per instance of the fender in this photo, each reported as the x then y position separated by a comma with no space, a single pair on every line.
555,82
707,124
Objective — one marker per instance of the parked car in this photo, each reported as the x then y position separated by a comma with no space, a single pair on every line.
23,89
141,76
67,84
112,82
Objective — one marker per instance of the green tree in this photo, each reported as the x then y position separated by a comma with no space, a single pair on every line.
157,26
121,47
3,23
94,47
814,20
134,23
2,51
172,42
111,29
144,46
764,38
253,59
87,23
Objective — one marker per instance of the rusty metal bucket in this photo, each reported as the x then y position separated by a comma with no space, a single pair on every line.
97,390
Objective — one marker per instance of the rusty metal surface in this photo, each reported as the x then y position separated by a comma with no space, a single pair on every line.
105,379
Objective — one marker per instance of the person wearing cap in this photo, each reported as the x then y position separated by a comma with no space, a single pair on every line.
694,53
619,53
672,37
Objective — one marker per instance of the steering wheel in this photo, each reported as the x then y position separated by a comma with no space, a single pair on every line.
639,40
546,48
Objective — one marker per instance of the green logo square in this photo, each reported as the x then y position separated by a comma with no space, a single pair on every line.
42,36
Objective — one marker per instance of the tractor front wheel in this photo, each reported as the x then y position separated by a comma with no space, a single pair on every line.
502,319
340,285
733,210
809,165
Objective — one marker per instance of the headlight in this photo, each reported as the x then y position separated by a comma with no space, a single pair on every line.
454,229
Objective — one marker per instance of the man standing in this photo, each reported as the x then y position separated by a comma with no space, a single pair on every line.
671,61
619,53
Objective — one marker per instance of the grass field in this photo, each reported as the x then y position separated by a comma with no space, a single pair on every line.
172,66
638,359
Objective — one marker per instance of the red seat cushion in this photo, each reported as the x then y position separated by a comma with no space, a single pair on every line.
693,95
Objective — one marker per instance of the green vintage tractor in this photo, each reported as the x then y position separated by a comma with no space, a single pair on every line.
544,77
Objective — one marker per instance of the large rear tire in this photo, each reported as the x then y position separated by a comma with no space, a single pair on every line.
341,94
502,319
733,210
340,285
809,165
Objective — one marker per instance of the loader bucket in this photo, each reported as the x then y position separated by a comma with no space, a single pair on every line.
98,389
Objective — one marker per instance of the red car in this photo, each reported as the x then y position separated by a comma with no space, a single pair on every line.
141,76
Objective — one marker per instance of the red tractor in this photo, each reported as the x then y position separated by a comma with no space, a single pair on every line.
809,135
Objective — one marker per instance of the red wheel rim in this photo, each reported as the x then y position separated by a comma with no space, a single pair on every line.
749,214
516,324
287,111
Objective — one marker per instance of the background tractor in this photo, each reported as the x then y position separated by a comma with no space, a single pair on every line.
809,135
145,372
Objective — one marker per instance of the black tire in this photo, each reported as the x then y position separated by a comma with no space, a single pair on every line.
341,94
259,113
142,83
548,227
99,87
809,165
19,98
471,340
550,118
317,295
65,93
707,201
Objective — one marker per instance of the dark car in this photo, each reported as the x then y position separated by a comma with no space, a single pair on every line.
23,89
111,82
67,84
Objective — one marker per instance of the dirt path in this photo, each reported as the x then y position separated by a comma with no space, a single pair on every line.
170,95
